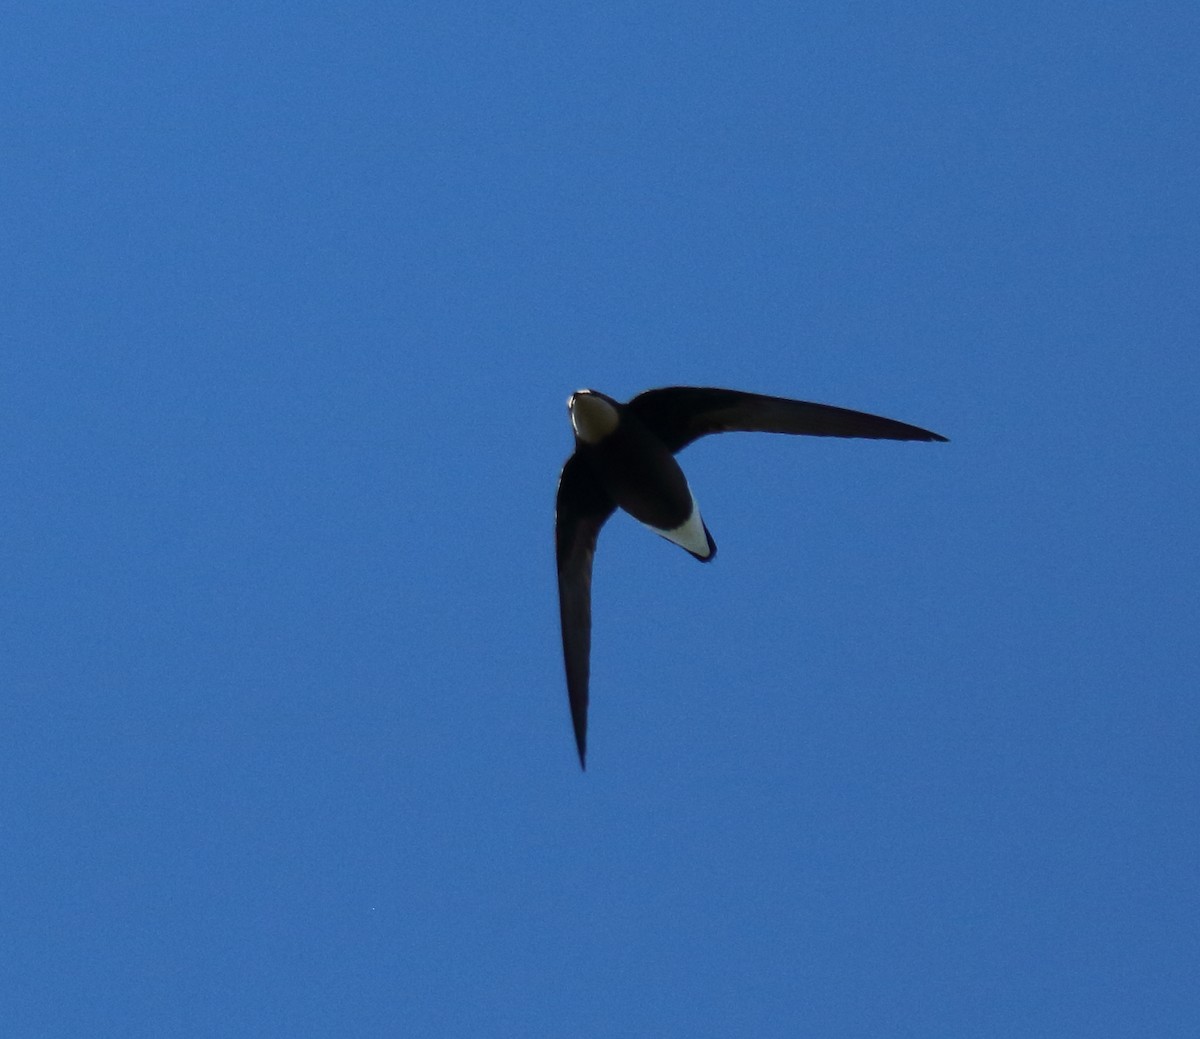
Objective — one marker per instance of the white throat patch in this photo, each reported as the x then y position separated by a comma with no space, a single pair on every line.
592,417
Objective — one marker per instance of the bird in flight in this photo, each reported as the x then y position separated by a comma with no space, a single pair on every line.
625,456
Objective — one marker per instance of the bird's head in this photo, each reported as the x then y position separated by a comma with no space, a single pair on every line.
593,415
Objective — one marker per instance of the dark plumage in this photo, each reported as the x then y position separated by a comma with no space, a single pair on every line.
625,456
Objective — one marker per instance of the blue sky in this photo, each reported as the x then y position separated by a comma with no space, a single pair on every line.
295,295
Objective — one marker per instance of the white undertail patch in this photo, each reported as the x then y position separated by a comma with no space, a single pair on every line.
690,534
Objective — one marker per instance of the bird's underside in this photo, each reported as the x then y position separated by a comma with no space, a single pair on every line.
624,455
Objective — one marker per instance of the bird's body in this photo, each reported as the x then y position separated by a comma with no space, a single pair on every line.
638,473
625,456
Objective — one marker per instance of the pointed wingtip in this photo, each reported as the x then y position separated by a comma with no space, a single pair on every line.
581,737
581,742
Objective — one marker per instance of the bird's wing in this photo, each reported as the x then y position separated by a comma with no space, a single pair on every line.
581,508
680,414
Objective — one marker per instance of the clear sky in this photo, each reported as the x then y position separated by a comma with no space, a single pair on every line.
293,297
